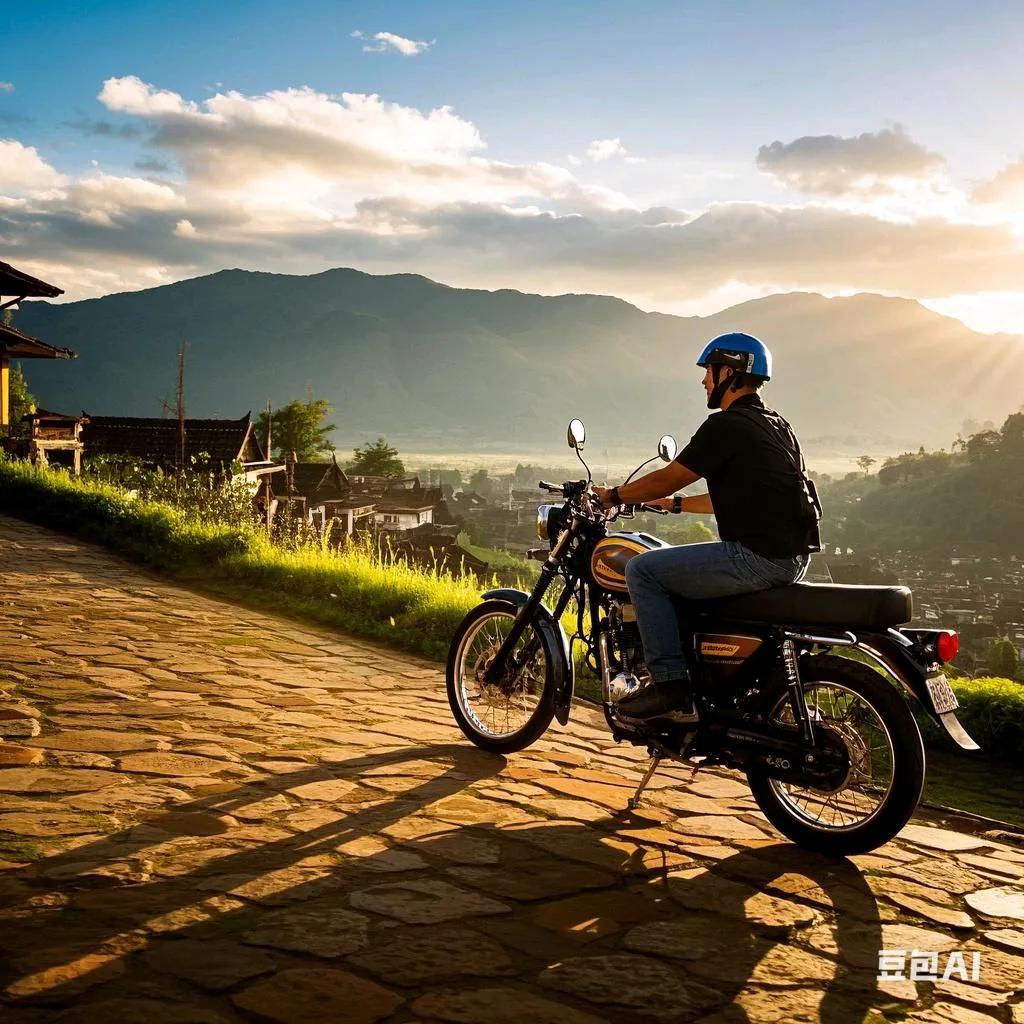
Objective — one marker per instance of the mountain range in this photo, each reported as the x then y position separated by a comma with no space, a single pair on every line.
433,367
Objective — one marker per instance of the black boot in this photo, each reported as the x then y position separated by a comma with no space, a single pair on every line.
670,699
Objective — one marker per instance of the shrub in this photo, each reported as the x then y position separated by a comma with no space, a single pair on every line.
992,711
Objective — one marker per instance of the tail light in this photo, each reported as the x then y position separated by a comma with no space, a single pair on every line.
947,645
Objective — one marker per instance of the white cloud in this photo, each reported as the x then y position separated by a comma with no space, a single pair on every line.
604,149
130,95
388,42
659,257
6,87
112,194
574,161
303,146
24,171
297,180
834,165
1006,187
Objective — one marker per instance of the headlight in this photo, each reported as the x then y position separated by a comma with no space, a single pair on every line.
543,513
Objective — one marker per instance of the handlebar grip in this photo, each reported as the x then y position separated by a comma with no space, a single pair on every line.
553,488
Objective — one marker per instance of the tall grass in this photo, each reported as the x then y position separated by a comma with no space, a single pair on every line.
356,587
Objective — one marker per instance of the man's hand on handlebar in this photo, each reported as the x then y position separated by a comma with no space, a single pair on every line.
604,495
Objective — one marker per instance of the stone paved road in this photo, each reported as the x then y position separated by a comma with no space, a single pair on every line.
230,817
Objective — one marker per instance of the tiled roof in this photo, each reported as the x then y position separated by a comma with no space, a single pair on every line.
15,344
325,481
155,441
17,282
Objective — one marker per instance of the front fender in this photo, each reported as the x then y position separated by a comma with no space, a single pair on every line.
911,675
565,673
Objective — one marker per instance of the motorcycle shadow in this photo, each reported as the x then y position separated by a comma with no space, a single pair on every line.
765,934
432,881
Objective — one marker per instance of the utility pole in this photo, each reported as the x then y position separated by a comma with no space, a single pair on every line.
180,458
270,431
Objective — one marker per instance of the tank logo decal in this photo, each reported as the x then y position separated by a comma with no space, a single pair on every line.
715,649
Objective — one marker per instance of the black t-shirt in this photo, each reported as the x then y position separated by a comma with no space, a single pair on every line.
754,487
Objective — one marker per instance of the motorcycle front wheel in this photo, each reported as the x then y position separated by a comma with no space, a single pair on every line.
511,714
870,717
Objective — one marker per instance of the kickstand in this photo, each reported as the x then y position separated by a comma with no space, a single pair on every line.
634,800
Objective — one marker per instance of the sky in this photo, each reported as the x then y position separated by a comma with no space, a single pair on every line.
684,156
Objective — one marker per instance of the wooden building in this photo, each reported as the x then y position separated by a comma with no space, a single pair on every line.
16,285
213,444
55,438
321,492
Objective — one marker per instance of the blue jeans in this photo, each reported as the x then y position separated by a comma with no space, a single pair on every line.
695,572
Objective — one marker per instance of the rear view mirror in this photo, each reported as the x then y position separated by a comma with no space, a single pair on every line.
667,448
577,434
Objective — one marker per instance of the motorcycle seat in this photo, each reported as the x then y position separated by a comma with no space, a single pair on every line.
819,604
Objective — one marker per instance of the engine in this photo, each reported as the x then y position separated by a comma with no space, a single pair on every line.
625,637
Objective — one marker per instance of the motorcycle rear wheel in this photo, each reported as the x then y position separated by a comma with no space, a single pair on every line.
500,718
881,792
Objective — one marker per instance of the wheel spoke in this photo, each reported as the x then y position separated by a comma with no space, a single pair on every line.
857,725
504,708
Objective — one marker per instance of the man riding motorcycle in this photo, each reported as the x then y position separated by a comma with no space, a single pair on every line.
766,508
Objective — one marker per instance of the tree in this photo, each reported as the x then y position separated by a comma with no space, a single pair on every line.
298,427
983,445
22,401
1012,432
481,483
697,532
866,462
1003,659
377,459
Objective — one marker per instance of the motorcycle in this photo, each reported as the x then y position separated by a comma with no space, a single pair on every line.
829,745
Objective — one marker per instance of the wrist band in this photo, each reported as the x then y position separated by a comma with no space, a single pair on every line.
677,504
616,500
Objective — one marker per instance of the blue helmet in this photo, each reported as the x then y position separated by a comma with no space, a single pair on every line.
742,352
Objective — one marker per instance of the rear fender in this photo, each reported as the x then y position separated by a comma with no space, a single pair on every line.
565,676
893,654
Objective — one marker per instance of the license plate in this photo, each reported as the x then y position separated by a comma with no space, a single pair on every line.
942,695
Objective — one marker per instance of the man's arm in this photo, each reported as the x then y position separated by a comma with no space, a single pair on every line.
658,484
698,503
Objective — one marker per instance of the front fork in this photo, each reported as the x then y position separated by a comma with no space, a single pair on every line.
496,671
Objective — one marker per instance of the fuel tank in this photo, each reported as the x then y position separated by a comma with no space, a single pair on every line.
611,553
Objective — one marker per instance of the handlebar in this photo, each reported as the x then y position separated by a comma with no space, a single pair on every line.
571,488
568,490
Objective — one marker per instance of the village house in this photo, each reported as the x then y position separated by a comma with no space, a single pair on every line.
322,493
403,514
16,285
54,438
214,444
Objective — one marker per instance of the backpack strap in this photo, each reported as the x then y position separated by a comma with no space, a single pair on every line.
794,453
792,450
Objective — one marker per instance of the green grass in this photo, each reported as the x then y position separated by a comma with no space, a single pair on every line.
20,851
966,781
498,559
